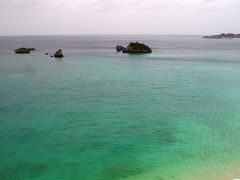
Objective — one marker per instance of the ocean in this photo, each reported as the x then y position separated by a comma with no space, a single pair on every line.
100,115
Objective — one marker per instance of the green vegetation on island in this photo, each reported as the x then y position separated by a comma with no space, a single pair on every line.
134,47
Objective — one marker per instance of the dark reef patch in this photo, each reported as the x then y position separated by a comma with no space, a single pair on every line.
121,171
21,171
2,109
27,134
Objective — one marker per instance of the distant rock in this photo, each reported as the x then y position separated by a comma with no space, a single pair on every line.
223,35
134,48
137,48
23,50
58,54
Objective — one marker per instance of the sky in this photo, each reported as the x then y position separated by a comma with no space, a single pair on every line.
85,17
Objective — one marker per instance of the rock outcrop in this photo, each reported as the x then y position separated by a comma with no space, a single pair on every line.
23,50
134,48
120,48
58,54
223,35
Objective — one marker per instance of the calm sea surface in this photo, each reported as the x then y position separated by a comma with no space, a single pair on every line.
100,115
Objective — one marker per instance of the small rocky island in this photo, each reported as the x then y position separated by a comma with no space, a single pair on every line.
223,35
58,54
134,48
24,50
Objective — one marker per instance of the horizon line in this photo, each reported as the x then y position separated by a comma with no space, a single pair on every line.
5,35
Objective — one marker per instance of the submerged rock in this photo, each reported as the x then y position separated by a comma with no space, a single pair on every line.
58,54
23,50
134,47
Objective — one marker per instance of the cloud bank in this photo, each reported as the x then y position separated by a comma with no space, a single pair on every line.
46,17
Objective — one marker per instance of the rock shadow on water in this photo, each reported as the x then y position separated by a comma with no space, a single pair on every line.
22,170
119,171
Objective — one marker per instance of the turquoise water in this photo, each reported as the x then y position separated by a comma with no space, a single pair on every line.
98,115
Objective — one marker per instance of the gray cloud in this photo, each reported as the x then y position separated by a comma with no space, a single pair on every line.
19,4
119,17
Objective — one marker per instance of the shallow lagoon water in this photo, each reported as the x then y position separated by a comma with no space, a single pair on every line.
96,114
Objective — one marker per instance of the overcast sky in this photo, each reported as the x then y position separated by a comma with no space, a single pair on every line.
56,17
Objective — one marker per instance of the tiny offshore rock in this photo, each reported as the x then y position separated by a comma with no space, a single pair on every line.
134,48
24,50
120,48
58,54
